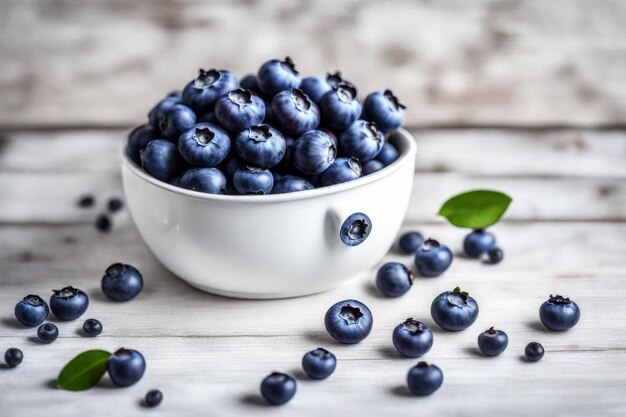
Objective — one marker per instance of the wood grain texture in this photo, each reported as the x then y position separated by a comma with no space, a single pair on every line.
492,62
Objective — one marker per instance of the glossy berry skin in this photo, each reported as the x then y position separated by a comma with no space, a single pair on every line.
138,139
178,119
161,109
348,321
342,170
384,109
204,145
290,184
315,87
261,146
252,180
478,242
278,388
424,379
92,327
495,255
249,82
275,76
121,282
411,242
372,166
559,313
432,259
47,333
239,109
153,398
394,279
362,140
492,342
454,310
31,311
388,154
340,107
355,229
68,303
319,363
200,94
204,180
412,338
295,112
13,357
534,352
126,367
313,152
161,159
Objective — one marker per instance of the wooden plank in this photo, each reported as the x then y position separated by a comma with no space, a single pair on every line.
453,62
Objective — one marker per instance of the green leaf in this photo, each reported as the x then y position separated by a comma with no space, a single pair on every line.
476,209
84,371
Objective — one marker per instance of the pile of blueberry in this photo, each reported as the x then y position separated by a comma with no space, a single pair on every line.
273,132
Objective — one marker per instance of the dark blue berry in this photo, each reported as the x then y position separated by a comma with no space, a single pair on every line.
340,107
313,152
68,303
372,166
103,223
161,109
478,243
384,109
138,139
559,313
355,229
13,357
319,363
115,204
294,112
424,378
290,184
362,140
161,159
239,109
32,310
126,367
47,333
121,282
454,310
200,94
204,180
278,388
86,201
252,180
495,255
388,154
348,321
153,398
249,82
432,259
394,279
492,342
178,119
315,87
410,242
412,338
342,170
261,146
92,327
204,145
275,76
534,352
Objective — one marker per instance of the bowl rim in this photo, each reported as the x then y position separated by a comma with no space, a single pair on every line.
406,155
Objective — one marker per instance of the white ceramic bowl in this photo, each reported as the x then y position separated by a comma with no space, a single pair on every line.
270,246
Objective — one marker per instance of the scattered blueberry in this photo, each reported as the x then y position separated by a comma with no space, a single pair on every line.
478,242
313,152
252,180
86,201
178,119
13,357
115,204
319,363
290,184
200,94
424,378
355,229
340,107
103,223
412,338
315,87
394,279
153,398
126,367
432,259
495,255
92,327
362,140
204,180
121,282
275,76
47,333
138,139
31,311
239,109
372,166
384,109
161,159
454,310
559,313
161,109
204,145
261,146
342,170
388,154
68,303
410,242
278,388
492,342
295,112
348,321
534,352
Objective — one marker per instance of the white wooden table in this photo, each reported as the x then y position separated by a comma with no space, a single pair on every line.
565,233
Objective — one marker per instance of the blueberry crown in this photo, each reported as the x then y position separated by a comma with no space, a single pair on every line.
346,92
430,244
321,352
203,135
241,96
302,101
260,133
372,131
206,79
66,292
350,314
33,300
393,100
357,229
355,165
114,270
334,79
288,64
413,326
559,299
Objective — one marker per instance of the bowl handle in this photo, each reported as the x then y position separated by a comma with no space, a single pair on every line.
355,229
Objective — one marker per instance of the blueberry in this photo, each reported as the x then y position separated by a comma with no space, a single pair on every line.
316,87
249,82
340,107
207,117
177,119
126,367
138,139
412,338
284,166
153,398
384,109
160,158
278,388
372,166
495,255
432,259
204,145
239,109
31,311
204,180
355,229
534,352
424,378
492,342
252,180
342,170
115,204
103,223
388,154
313,152
161,109
295,112
478,242
290,184
261,146
200,94
86,201
319,363
13,357
92,327
362,140
68,303
559,313
410,242
454,310
229,166
121,282
394,279
47,333
275,76
348,321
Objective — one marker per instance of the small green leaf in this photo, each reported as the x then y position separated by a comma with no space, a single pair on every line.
84,371
477,209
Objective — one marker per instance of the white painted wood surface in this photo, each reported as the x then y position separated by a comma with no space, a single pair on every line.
565,233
